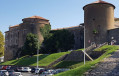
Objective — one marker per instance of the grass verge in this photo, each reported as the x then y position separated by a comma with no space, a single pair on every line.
44,60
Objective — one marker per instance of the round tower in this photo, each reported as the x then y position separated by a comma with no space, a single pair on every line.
32,25
98,19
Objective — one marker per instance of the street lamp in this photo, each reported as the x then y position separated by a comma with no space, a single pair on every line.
84,46
38,53
84,42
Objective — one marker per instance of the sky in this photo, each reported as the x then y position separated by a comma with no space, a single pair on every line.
61,13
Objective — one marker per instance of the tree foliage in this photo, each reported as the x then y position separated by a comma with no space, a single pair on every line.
31,45
61,40
45,30
1,44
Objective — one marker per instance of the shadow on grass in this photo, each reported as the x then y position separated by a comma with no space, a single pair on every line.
15,61
26,61
66,64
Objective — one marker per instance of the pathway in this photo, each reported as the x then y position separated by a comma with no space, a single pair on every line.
108,67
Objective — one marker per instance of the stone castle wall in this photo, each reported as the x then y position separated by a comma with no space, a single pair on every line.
15,37
78,33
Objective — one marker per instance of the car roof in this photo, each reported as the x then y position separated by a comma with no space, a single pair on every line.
17,72
3,70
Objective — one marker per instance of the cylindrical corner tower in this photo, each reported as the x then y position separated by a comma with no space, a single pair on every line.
98,18
32,25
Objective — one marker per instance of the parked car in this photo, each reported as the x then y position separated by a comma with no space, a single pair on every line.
41,70
15,69
11,72
4,67
45,73
4,73
17,74
50,70
20,69
26,69
33,70
1,67
8,67
37,70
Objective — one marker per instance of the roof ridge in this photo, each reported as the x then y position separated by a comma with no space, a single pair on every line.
38,17
14,26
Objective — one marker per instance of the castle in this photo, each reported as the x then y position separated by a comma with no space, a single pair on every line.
99,23
15,37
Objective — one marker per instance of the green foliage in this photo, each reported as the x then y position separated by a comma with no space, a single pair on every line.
79,49
44,60
79,71
95,31
59,40
104,48
1,44
50,58
45,30
31,45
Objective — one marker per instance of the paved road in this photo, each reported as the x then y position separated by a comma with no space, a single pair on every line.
108,67
28,74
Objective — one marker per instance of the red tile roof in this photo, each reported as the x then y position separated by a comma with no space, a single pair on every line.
38,17
100,2
14,26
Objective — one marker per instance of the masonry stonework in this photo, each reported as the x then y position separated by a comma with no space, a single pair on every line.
15,37
98,19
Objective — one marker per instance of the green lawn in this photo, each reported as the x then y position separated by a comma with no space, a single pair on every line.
44,60
66,64
81,69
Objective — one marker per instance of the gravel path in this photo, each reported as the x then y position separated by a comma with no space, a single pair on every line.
108,67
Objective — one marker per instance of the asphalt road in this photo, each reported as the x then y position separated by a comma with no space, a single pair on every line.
28,74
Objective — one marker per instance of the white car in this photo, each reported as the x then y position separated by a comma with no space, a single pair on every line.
4,73
17,74
37,70
26,69
20,69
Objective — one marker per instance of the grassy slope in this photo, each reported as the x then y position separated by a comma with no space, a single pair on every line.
44,60
69,64
79,71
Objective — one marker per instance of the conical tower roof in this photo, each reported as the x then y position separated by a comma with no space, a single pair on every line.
99,2
38,17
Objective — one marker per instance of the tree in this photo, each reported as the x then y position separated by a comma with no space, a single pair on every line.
59,40
31,45
1,44
45,30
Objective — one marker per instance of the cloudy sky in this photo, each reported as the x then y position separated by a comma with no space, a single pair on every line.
61,13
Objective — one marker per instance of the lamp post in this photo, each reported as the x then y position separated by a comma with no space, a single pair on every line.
38,54
84,45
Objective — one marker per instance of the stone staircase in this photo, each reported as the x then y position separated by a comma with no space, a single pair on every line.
75,55
94,46
56,61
